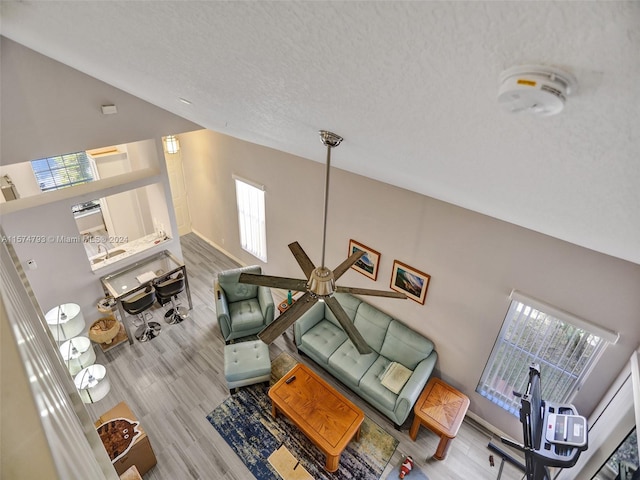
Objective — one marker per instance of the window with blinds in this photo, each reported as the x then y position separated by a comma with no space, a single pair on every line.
565,347
251,218
62,171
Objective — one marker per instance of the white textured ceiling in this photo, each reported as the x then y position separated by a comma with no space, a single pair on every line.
411,86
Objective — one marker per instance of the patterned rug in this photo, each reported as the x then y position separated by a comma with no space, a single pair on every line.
244,420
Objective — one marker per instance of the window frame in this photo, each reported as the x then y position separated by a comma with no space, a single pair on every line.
252,221
552,321
59,167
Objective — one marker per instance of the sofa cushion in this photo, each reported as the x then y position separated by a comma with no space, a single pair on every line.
246,315
235,291
349,365
370,384
323,339
372,324
349,304
404,346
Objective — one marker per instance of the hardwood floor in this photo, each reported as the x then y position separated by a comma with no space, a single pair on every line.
172,382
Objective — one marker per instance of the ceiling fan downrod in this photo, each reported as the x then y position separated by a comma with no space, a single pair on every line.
331,140
321,282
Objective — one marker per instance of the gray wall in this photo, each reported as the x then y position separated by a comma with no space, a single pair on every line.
49,109
474,260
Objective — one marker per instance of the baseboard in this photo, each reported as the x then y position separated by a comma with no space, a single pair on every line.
490,429
218,247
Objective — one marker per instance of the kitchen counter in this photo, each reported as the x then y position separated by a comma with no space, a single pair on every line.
125,250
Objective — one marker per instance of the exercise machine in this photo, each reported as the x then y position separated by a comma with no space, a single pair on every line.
554,434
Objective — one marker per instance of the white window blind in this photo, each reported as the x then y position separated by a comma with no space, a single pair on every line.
251,217
63,171
566,348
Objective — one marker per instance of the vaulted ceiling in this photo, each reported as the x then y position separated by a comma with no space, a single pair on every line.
411,86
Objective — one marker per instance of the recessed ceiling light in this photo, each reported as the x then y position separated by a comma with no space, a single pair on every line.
185,101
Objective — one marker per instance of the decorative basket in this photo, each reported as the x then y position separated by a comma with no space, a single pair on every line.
104,330
105,305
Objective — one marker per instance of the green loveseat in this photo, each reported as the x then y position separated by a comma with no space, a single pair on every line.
319,336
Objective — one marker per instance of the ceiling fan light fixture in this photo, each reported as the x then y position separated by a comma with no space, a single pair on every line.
321,283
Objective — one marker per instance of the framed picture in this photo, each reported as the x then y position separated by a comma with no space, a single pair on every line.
413,283
368,263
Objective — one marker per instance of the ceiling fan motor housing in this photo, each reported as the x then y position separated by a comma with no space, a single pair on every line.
321,283
535,90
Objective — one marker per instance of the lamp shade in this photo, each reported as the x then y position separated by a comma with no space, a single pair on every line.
77,354
92,383
65,321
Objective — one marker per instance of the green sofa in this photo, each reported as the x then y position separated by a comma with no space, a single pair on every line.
319,336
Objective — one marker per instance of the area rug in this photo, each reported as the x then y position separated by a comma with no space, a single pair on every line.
244,421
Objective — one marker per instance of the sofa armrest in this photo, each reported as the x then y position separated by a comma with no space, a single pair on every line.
265,299
414,386
308,320
222,311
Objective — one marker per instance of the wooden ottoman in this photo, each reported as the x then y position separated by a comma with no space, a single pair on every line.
441,408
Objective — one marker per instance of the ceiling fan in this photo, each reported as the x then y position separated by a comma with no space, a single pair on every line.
320,283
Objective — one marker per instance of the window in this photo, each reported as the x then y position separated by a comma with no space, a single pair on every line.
251,218
63,171
565,347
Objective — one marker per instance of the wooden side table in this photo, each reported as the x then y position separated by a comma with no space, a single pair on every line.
284,306
440,408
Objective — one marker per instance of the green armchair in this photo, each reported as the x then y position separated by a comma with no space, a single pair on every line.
242,309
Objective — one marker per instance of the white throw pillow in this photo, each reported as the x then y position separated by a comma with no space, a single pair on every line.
395,376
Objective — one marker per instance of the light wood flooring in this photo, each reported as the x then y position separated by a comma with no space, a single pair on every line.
172,382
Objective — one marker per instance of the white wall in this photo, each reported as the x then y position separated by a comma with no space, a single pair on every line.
474,260
22,176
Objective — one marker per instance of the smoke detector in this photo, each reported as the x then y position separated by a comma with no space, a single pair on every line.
535,90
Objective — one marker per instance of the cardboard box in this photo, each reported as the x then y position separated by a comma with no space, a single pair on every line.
131,474
140,454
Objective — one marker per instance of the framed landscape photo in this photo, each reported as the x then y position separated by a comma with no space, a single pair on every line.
413,283
368,263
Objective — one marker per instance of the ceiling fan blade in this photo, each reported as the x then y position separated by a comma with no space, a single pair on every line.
344,266
275,282
288,318
348,326
367,291
302,258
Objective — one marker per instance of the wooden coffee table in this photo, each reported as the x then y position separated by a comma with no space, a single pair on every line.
328,419
441,408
